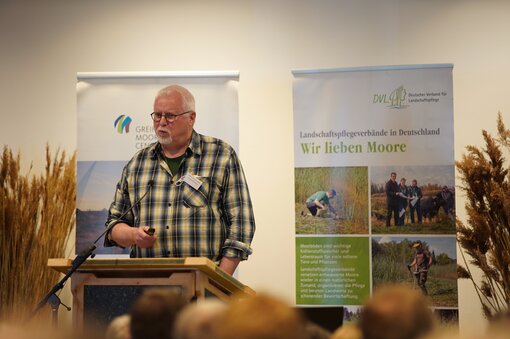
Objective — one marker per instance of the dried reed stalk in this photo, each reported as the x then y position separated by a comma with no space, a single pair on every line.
37,214
486,236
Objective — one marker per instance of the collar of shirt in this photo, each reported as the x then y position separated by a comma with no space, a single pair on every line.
193,148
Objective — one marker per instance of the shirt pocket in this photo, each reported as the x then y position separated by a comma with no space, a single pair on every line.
196,198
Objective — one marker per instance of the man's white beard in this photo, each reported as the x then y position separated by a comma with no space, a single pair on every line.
165,141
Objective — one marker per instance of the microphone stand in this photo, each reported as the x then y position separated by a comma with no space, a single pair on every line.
52,297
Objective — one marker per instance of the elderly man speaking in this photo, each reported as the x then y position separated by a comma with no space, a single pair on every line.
185,195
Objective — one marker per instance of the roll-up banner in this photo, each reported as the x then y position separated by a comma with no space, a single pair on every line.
356,227
114,123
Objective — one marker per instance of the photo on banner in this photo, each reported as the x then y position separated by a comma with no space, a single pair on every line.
430,205
374,184
348,212
114,123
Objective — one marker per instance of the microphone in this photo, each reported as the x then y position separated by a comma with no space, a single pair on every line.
112,223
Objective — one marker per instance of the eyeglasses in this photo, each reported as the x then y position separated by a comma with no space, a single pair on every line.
157,116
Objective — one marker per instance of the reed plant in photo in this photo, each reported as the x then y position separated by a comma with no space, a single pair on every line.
485,237
37,215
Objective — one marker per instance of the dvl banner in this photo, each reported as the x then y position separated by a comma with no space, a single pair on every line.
114,123
356,229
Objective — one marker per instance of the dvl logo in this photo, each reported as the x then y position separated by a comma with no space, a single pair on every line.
395,99
122,123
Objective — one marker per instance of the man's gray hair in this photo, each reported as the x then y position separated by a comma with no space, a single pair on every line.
188,101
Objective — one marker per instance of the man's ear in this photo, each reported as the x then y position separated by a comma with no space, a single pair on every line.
192,117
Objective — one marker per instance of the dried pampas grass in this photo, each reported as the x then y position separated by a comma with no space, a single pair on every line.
486,236
37,214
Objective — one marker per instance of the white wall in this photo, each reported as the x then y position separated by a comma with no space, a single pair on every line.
44,43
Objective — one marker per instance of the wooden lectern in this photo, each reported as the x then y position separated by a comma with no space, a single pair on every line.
105,288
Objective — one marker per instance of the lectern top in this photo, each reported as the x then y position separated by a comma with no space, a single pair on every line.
201,264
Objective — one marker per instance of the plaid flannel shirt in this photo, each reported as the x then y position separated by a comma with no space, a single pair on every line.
212,221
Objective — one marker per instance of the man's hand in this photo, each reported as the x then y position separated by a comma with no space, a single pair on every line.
319,205
127,236
142,239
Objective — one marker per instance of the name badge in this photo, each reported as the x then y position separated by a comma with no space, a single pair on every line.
192,180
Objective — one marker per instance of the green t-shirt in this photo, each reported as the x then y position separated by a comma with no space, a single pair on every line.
174,163
321,196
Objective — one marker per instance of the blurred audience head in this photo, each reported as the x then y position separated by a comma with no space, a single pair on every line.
448,333
153,313
347,331
119,328
12,331
315,331
199,320
499,326
396,312
44,329
261,317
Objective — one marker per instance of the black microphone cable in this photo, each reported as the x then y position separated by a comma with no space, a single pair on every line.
150,231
